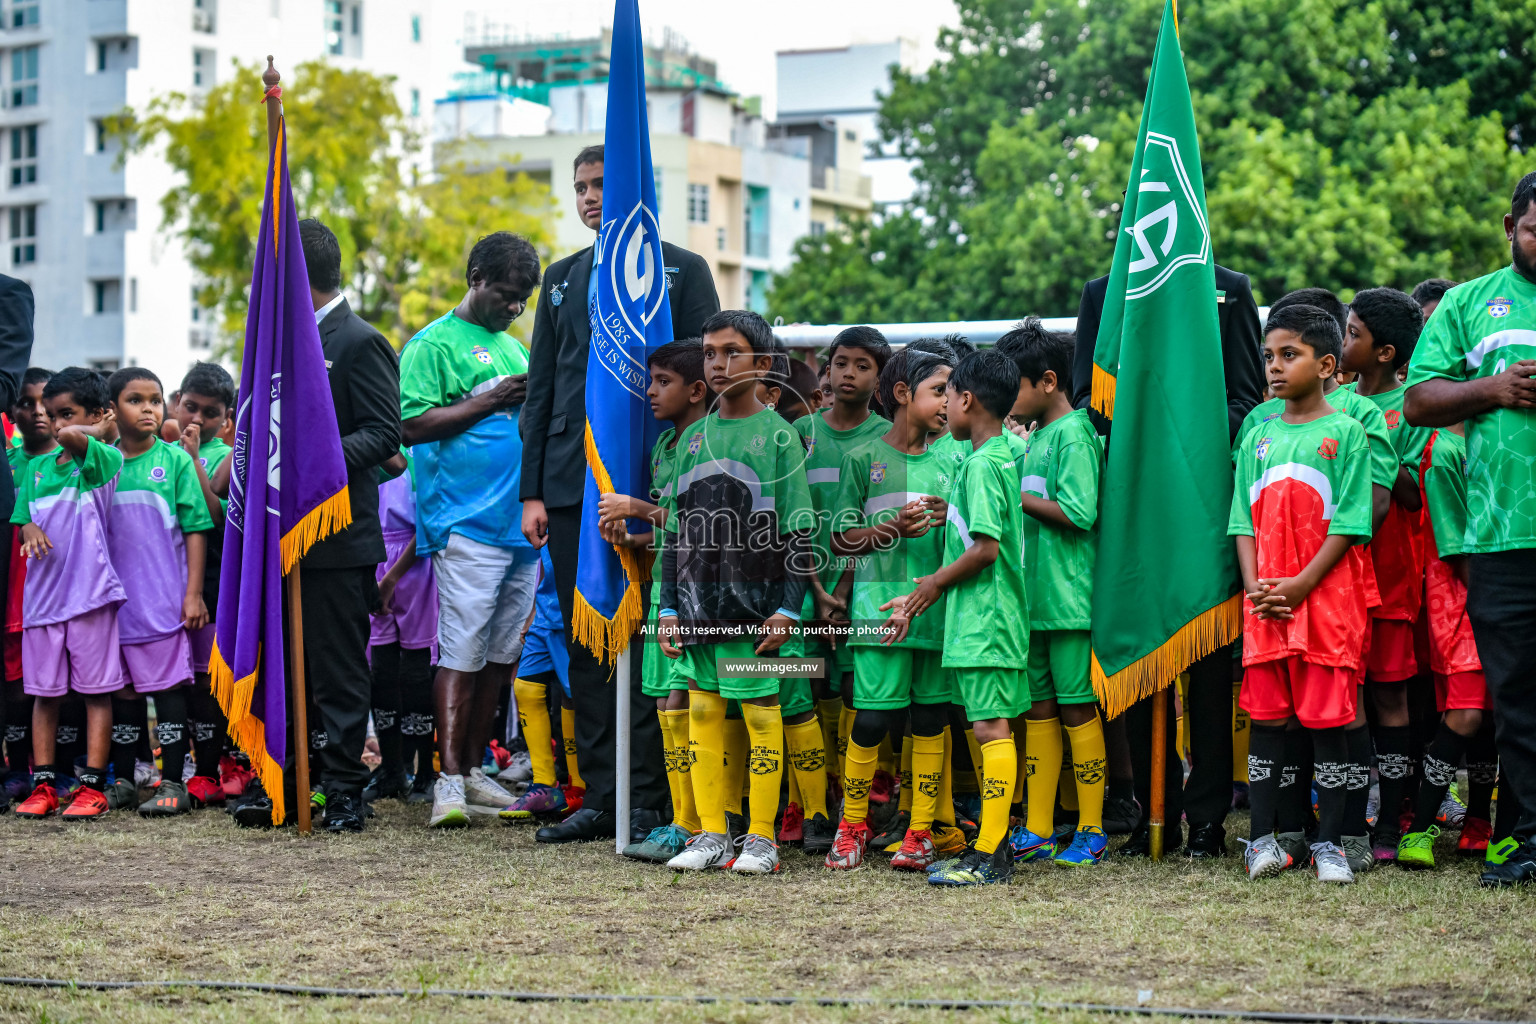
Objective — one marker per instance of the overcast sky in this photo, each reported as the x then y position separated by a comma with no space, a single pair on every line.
743,35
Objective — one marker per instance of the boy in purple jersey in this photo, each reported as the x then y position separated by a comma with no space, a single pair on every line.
69,640
157,539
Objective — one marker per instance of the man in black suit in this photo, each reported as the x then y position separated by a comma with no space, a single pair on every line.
337,586
15,353
554,478
1207,795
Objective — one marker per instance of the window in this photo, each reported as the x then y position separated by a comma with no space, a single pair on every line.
657,173
23,13
203,15
415,102
23,235
101,136
357,19
105,365
23,155
24,76
203,63
415,28
113,215
818,228
133,295
698,204
108,296
333,24
720,239
197,308
850,135
101,56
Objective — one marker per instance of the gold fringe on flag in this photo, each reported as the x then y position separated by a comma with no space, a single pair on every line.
605,637
332,515
1211,629
248,731
1102,394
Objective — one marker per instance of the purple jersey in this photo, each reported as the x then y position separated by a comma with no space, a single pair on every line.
412,621
158,499
70,503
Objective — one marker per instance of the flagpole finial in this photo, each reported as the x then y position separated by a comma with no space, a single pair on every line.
270,77
273,98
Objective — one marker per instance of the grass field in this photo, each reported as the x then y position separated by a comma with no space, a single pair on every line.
488,909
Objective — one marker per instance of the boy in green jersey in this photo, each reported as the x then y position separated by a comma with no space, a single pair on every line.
1063,459
854,362
678,395
733,579
986,619
889,519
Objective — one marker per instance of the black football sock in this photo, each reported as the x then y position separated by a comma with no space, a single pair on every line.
1357,795
126,730
208,726
93,778
1330,766
1294,809
1441,758
1394,766
18,734
385,661
1482,772
171,732
1266,756
45,774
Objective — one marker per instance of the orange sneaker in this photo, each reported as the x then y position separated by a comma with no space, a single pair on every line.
43,802
792,826
1475,834
573,797
916,853
203,791
849,845
87,805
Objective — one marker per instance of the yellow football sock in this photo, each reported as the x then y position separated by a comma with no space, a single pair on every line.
1088,766
1239,739
792,781
944,813
858,776
1017,728
674,733
568,732
1000,764
736,745
904,803
533,720
844,727
706,755
970,741
1042,755
808,761
830,712
1066,789
926,779
765,730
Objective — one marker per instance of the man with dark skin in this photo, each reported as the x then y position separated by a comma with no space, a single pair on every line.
1475,364
463,380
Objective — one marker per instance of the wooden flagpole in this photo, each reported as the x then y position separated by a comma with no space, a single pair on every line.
1159,769
294,606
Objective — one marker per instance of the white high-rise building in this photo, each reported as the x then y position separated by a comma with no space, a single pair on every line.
113,286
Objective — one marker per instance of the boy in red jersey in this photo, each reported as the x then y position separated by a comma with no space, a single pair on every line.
1302,503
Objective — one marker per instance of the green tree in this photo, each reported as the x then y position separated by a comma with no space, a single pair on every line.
1345,144
404,235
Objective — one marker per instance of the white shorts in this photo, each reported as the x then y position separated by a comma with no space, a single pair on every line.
484,598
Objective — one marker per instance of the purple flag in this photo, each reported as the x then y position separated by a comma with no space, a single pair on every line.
287,488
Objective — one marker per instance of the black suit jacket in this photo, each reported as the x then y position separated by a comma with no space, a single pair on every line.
553,420
365,387
15,354
1241,344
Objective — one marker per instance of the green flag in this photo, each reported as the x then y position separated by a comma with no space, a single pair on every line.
1166,586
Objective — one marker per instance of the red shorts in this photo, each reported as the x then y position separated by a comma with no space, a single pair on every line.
1462,691
1320,696
1390,653
13,656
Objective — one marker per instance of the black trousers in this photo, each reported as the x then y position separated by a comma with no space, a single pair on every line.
592,693
336,604
1206,796
1501,603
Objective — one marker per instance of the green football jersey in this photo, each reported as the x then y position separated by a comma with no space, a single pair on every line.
1062,463
1445,492
663,469
1478,330
1407,440
1384,457
824,452
986,621
876,480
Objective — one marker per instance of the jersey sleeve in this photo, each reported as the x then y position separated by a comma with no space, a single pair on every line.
1383,461
191,509
793,500
1352,503
1240,518
423,380
988,489
21,515
1445,495
101,463
1439,351
1077,482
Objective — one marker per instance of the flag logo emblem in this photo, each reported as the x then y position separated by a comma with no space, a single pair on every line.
1174,232
810,446
876,472
1498,306
1392,419
1329,449
695,443
1262,449
157,474
480,353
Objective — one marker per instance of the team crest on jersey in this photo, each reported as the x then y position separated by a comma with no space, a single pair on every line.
481,353
943,481
1262,449
877,472
758,443
1392,419
1498,306
810,446
157,474
202,460
1329,449
695,443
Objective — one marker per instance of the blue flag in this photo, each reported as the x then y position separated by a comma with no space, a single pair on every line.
287,487
630,318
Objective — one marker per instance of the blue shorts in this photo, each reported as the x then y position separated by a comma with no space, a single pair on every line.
544,651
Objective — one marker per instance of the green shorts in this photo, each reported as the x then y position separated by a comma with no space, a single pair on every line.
1058,666
897,677
988,693
795,695
839,662
659,674
699,663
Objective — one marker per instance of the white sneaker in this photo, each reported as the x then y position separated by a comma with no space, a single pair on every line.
1330,864
704,851
484,796
1264,858
758,856
521,768
448,807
